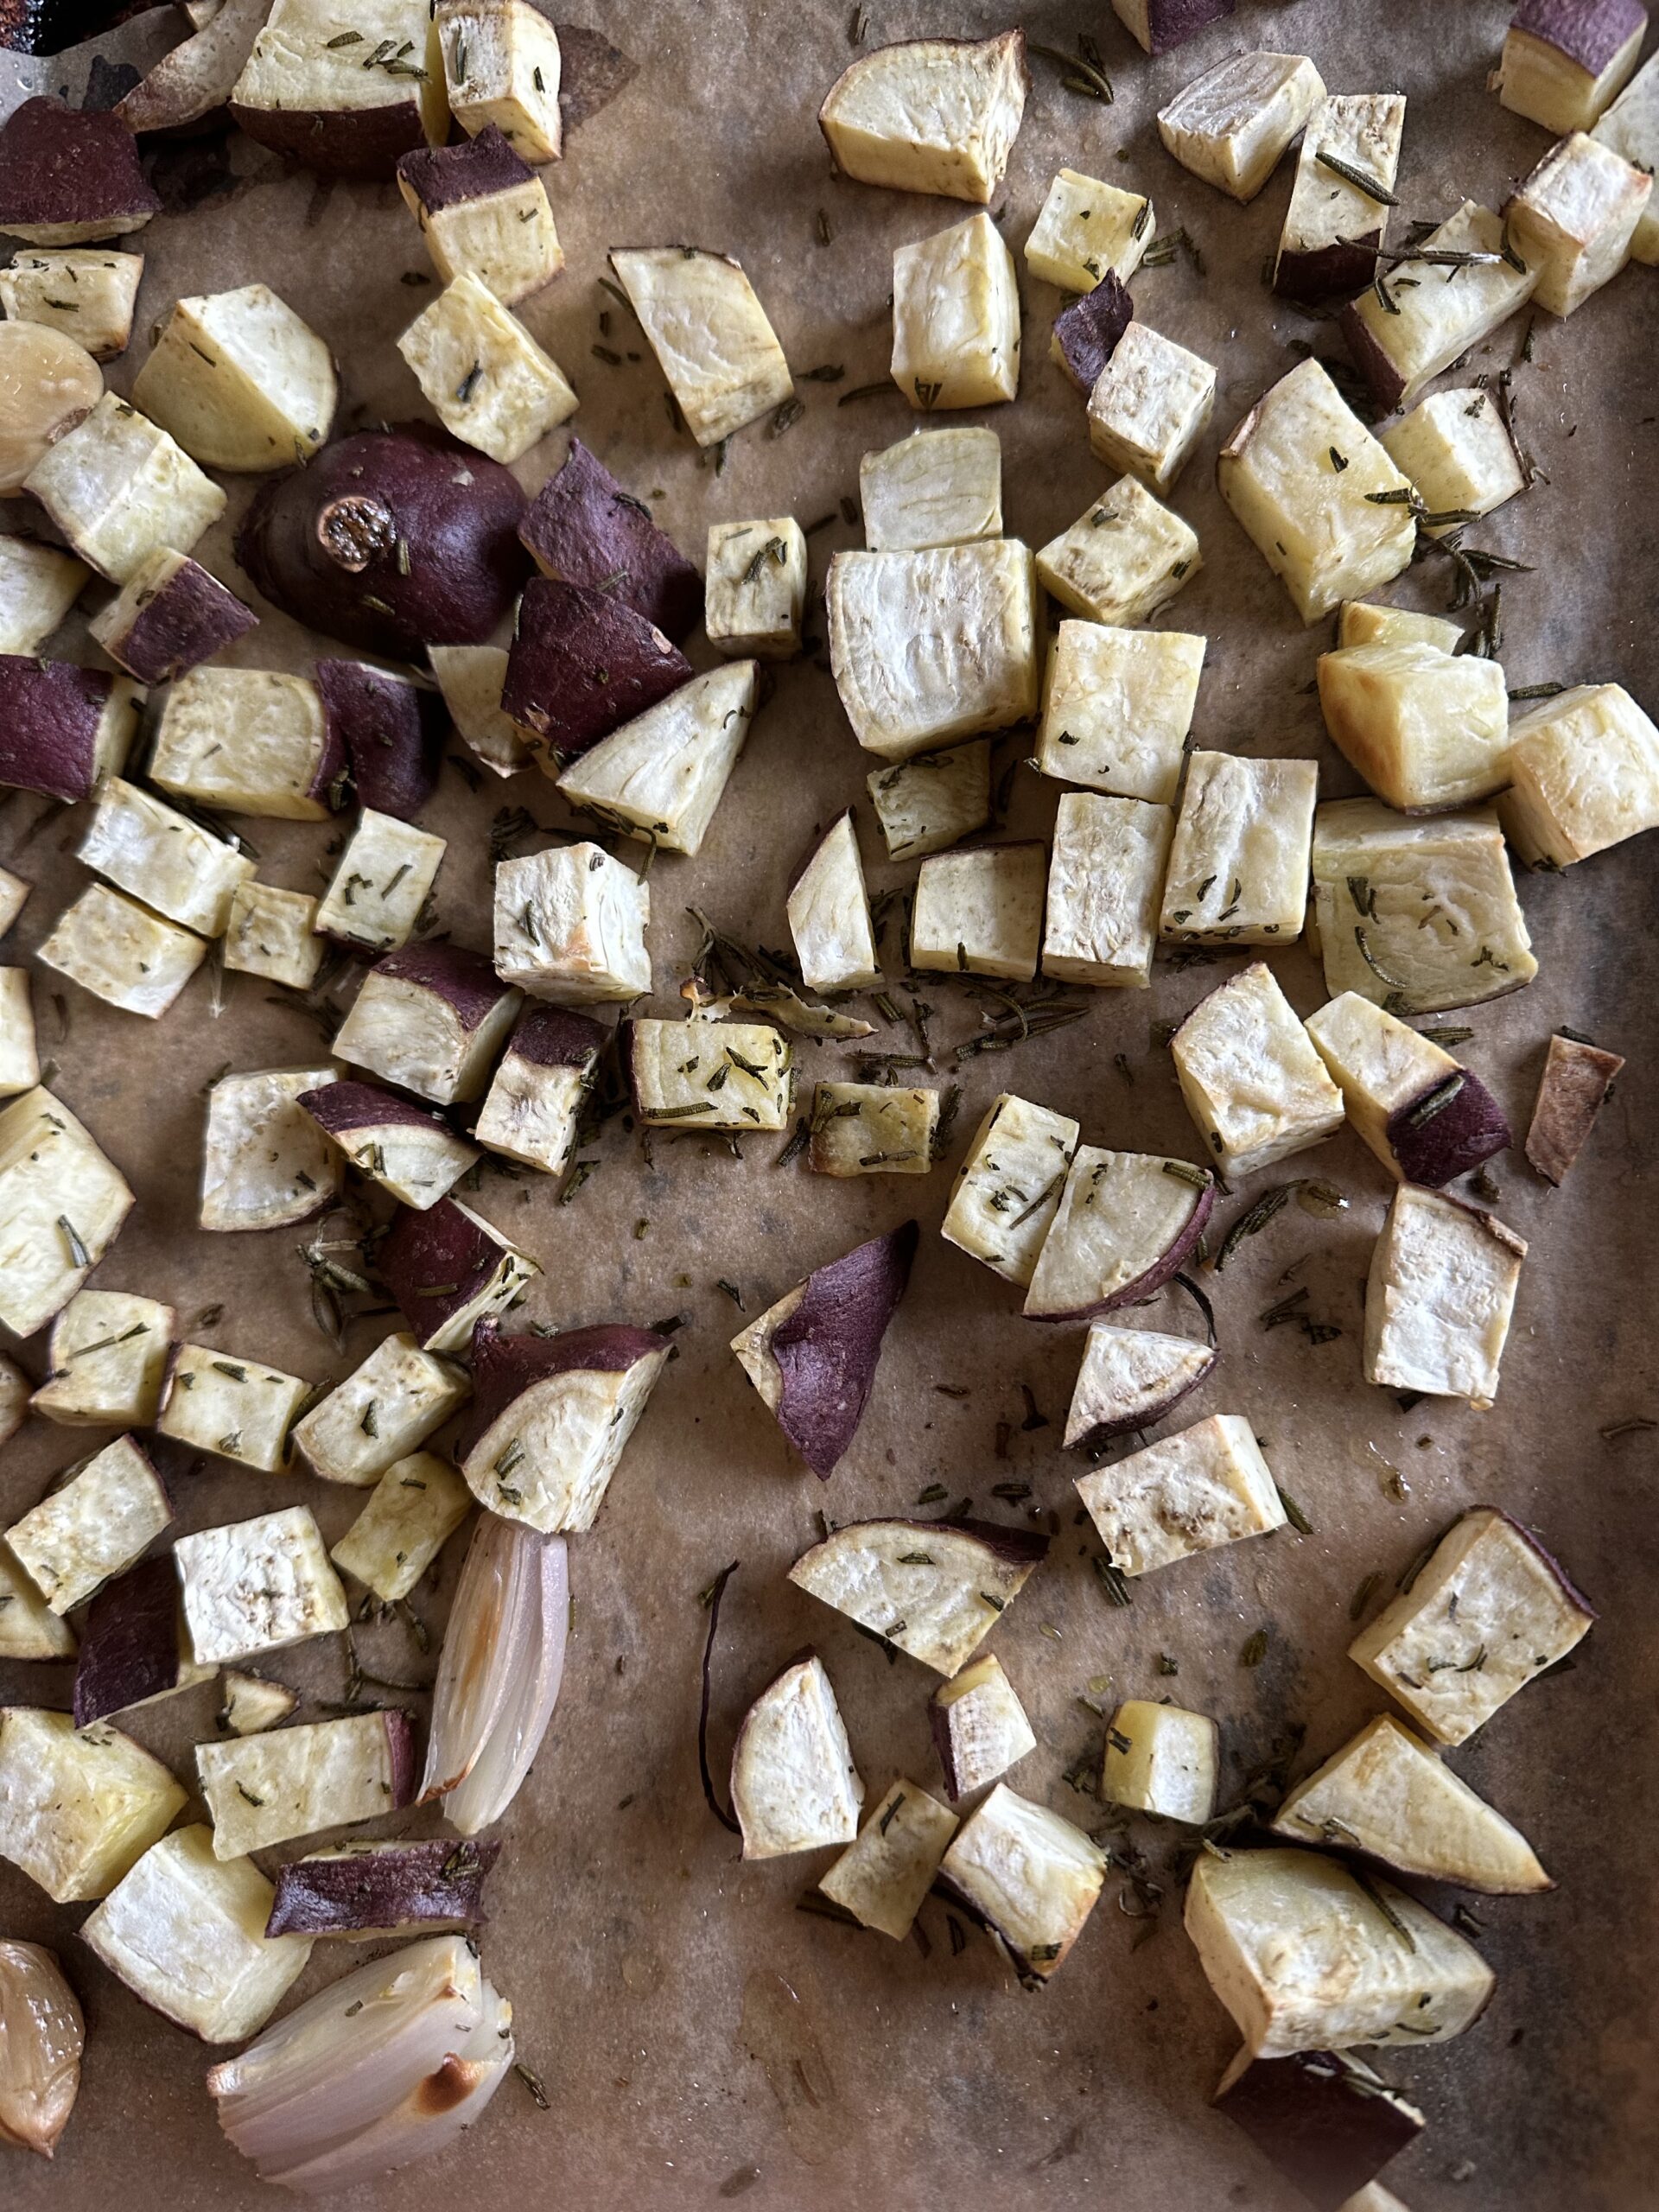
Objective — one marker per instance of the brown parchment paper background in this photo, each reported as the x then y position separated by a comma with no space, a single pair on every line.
699,2039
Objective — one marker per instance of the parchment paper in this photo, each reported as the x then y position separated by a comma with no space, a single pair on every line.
698,2036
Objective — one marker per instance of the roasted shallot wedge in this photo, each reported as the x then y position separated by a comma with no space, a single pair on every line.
41,2036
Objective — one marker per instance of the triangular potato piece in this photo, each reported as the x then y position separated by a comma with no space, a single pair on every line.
933,1588
1126,1224
659,778
794,1786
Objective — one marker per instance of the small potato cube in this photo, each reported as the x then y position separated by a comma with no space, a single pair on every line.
935,487
1584,768
1117,705
118,486
660,777
267,1788
265,1163
69,173
867,1128
305,94
78,1807
170,616
756,587
62,1206
1230,125
955,318
122,953
930,114
1425,1118
235,1407
979,912
1631,127
501,64
380,883
710,1075
1031,1875
109,1358
273,933
1105,874
1562,64
29,1628
1426,730
255,1585
88,293
1359,623
1574,217
1124,558
143,847
1437,312
980,1728
1439,1297
239,380
710,335
432,1019
794,1786
1458,455
482,211
1302,474
1162,1759
39,584
1208,1485
1333,229
484,376
1150,405
932,800
1086,227
470,678
1250,1077
570,925
1007,1189
407,1149
417,1507
250,742
883,1877
20,1061
397,1398
536,1098
96,1526
1238,865
829,913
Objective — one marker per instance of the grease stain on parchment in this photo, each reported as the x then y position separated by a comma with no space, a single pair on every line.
777,2031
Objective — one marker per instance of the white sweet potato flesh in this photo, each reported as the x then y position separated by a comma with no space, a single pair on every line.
284,1782
1459,453
955,318
255,1585
980,911
1230,125
1439,1297
883,1876
29,1627
1117,705
1150,405
1034,1877
86,292
397,1398
1124,1223
794,1786
1007,1189
502,66
1124,557
148,849
78,1807
239,380
380,883
483,375
756,586
710,1075
569,926
872,1129
933,1590
39,584
1438,310
1206,1487
122,953
1631,127
248,741
933,799
1085,228
1105,874
930,115
1162,1759
547,1458
980,1726
271,933
117,487
660,777
1574,217
62,1206
417,1506
935,487
96,1525
1251,1078
1583,770
1426,730
1560,66
829,915
264,1161
1129,1379
710,335
232,1406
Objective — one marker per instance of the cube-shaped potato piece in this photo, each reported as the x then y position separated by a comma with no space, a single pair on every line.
980,1728
709,1075
255,1585
1007,1189
1334,227
934,645
1458,455
94,1527
482,210
1573,218
1250,1077
1086,227
1425,1118
1631,127
1129,1379
709,333
250,742
1105,874
883,1876
1032,1876
86,292
1360,623
1230,125
933,799
170,616
1117,705
1426,729
1324,506
62,1202
66,172
1439,1296
955,318
272,933
1161,1759
380,883
239,380
1437,309
484,376
1417,916
1150,405
829,914
1159,25
1488,1612
29,1628
1584,768
432,1019
282,1782
1208,1485
20,1061
502,66
234,1408
307,90
143,846
39,584
118,486
756,586
570,925
409,1150
935,487
660,777
265,1163
109,1355
536,1097
470,678
1560,66
1124,557
122,953
980,912
398,1397
872,1129
1238,864
78,1807
65,728
417,1505
930,114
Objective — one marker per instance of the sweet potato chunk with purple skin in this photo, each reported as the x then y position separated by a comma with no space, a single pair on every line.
481,209
62,729
1322,2117
538,1090
68,174
304,95
1087,332
584,528
1564,59
430,1018
449,1268
409,1150
1577,1081
132,1648
933,1589
393,733
363,1891
170,616
581,664
1160,25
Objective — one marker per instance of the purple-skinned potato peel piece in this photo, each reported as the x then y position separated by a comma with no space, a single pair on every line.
376,1889
1086,331
1448,1131
1324,2118
393,733
584,526
581,663
130,1647
827,1350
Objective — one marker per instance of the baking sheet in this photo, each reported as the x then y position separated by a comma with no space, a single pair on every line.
699,2038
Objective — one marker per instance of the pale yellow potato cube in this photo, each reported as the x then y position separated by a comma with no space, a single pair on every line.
883,1876
1230,125
1439,1297
502,65
1454,447
484,376
1332,228
29,1627
955,318
710,335
1438,311
1359,623
117,487
1583,770
935,487
273,933
1085,228
1150,405
829,914
380,883
77,1806
1007,1189
239,380
108,1362
144,848
1124,557
1380,1063
96,1526
1117,706
933,800
660,777
235,1407
570,925
86,292
1426,729
122,953
1207,1486
980,1728
1251,1078
1631,127
756,587
1565,82
1161,1759
1238,865
980,912
710,1075
504,233
39,584
381,1414
930,114
470,678
246,740
1105,875
871,1128
415,1508
1574,217
62,1202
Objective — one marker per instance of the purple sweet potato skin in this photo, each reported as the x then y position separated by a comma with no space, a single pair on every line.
1172,22
1346,266
434,1884
447,177
557,1037
1088,330
1589,32
1575,1596
584,527
1380,373
392,731
400,1749
439,1246
50,713
61,164
828,1349
1170,1263
359,142
582,664
505,1367
1469,1129
464,980
1326,2136
130,1646
184,623
364,1107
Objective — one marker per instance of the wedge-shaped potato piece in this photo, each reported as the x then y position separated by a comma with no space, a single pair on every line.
1425,1118
1439,1296
483,213
470,677
980,1728
1325,2120
1303,476
955,318
265,1162
1333,226
1584,769
109,1353
1418,916
1117,705
392,730
70,173
1574,217
20,1063
1084,228
1385,1793
1161,1759
145,847
448,1269
431,1017
365,1891
829,913
168,617
1087,331
871,1128
1031,1876
134,1650
1230,125
398,1397
1150,405
1488,1611
267,1788
417,1505
380,883
1631,127
1577,1082
551,1418
1252,1081
65,728
255,1585
186,1932
78,1807
979,912
39,584
570,925
1466,280
1460,458
117,487
239,380
251,741
794,1786
1304,1957
122,953
757,586
932,800
95,1527
234,1408
1105,877
484,376
306,89
935,487
536,1098
251,1703
62,1206
1123,559
1161,24
933,1588
582,663
1007,1189
930,115
1561,63
882,1877
1130,1378
659,778
502,65
709,333
29,1627
1360,623
1239,859
710,1075
1208,1485
1126,1222
409,1150
272,933
934,645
